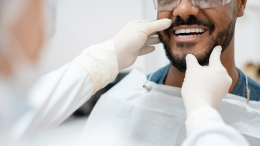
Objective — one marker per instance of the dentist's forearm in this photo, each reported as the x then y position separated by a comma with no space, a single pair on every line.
52,100
101,63
205,127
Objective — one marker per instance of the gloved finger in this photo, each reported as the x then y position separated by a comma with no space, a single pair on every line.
149,20
214,60
157,25
153,34
146,50
191,61
152,41
140,21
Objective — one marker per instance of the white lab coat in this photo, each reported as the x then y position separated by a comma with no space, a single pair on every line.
215,133
58,94
53,99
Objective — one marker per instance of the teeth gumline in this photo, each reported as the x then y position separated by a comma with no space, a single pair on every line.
187,36
189,30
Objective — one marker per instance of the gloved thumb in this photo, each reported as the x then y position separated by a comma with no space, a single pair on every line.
214,60
191,61
157,25
146,50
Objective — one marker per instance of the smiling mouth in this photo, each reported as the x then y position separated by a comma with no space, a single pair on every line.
189,32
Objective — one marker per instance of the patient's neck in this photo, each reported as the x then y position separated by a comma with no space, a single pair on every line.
175,77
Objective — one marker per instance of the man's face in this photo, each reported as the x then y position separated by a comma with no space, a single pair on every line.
197,31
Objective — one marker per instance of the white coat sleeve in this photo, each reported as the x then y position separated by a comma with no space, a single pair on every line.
58,94
209,129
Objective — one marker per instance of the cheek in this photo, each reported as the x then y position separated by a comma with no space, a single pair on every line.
162,15
220,16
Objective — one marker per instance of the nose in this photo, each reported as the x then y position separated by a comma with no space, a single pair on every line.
185,9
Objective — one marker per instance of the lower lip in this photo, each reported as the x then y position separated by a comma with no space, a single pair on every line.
190,39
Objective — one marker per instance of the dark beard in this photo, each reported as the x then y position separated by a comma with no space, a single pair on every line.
223,39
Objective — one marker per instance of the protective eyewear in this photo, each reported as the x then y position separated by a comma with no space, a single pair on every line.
170,5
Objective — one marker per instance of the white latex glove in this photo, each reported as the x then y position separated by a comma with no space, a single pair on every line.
205,86
135,39
103,61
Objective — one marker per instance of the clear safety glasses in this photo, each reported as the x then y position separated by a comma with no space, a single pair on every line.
170,5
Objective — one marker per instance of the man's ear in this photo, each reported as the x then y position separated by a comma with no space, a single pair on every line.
241,5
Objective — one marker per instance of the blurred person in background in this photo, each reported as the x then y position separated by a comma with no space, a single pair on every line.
28,110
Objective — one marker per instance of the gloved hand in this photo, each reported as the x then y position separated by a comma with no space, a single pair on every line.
103,61
135,39
205,86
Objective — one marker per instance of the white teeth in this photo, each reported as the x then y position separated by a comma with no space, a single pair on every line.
187,36
189,30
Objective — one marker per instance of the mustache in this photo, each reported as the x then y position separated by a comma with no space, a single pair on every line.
192,20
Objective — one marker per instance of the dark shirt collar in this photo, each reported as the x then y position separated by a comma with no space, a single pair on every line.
240,89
